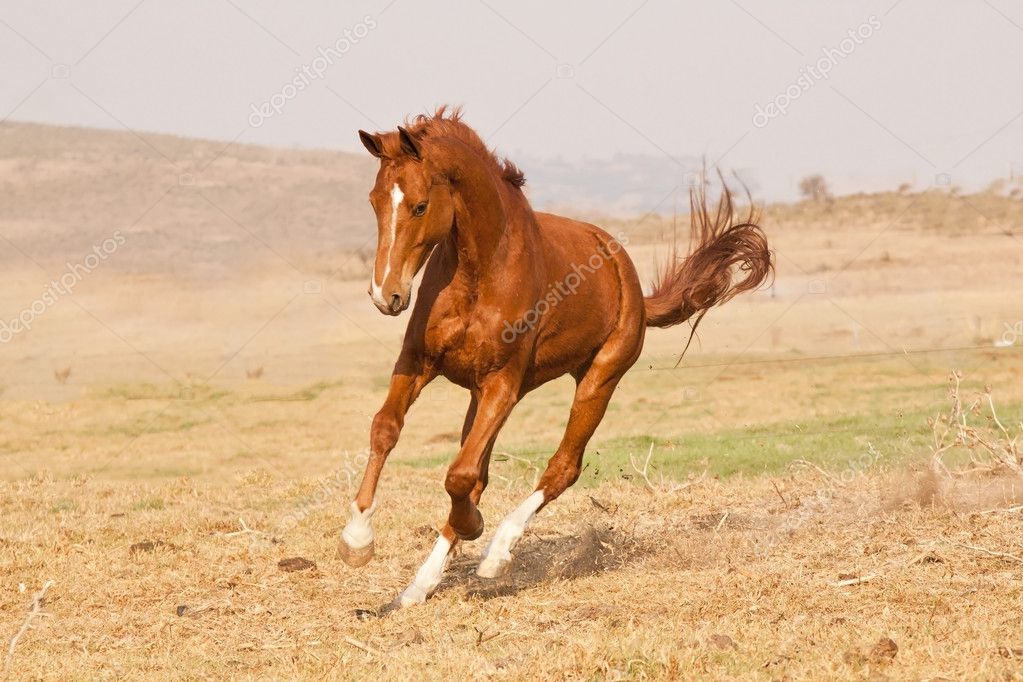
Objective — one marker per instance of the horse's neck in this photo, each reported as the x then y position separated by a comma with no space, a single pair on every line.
482,225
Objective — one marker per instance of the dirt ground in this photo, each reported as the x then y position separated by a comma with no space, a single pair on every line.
196,411
802,576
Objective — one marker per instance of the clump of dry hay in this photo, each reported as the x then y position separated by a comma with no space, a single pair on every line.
994,474
992,450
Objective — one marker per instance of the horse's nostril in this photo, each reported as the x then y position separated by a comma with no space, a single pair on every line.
395,302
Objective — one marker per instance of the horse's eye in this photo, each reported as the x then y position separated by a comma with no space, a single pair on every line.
420,209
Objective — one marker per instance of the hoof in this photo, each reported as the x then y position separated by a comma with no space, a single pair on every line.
355,556
388,608
412,595
492,567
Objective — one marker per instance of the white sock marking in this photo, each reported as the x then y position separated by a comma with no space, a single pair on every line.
429,575
511,528
376,289
358,533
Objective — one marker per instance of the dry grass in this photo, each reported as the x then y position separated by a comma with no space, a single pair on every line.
805,575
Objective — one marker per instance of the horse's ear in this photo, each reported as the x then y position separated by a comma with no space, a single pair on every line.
409,144
372,143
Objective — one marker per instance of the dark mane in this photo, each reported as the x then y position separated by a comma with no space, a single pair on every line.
450,124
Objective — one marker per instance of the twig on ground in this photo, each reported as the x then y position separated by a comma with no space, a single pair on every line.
596,503
529,464
855,581
361,645
776,489
245,530
993,553
806,463
291,645
1003,510
644,472
662,486
272,647
34,610
482,637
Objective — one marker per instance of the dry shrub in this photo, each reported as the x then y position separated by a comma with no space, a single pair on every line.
992,447
970,427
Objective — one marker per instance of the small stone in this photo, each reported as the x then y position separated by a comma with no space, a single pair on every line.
884,651
723,642
295,564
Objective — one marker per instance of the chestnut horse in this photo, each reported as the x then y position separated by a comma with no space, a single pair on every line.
510,300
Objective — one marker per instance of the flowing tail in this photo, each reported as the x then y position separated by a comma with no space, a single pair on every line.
727,256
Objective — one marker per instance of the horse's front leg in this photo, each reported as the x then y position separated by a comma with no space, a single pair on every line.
408,379
465,482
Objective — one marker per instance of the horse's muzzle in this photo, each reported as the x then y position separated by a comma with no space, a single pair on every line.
394,304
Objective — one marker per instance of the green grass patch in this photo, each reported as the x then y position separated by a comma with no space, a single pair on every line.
835,444
308,393
156,421
189,392
64,506
149,504
144,471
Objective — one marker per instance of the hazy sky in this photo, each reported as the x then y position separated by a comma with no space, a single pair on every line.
922,88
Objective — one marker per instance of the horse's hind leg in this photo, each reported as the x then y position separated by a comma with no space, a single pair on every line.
592,394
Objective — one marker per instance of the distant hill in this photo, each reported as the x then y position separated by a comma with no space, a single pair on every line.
212,204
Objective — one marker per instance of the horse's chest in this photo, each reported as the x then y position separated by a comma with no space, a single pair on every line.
460,347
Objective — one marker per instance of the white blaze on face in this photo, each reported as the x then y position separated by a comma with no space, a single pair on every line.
375,291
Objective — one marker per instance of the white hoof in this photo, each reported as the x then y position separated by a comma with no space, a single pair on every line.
411,595
356,545
493,567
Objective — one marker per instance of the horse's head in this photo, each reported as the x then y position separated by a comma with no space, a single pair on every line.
414,207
